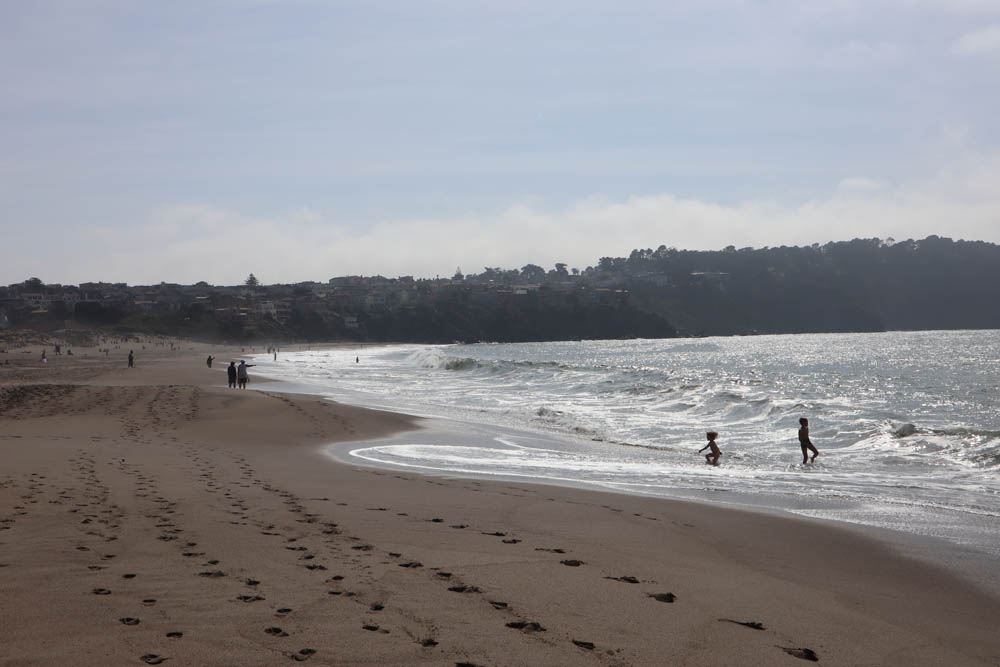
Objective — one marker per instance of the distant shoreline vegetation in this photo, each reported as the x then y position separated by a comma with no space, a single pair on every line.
862,285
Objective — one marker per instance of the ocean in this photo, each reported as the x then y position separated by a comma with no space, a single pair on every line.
907,423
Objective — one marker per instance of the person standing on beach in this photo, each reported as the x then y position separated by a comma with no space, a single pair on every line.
805,442
241,374
131,359
209,361
713,456
231,372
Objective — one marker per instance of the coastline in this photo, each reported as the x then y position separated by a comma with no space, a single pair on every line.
160,470
976,567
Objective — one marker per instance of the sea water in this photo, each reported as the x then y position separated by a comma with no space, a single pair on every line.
907,423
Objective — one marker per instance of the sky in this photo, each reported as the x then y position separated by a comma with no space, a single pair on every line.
180,141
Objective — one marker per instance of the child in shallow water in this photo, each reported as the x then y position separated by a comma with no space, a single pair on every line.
713,455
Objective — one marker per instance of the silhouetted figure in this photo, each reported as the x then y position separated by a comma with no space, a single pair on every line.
231,372
131,359
713,455
209,361
805,442
241,374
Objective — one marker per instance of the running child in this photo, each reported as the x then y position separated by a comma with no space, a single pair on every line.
713,456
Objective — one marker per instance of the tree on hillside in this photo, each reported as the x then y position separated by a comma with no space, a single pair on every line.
533,273
251,281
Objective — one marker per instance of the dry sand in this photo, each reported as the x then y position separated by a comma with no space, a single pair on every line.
152,514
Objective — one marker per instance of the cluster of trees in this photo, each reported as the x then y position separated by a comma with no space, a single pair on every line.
859,285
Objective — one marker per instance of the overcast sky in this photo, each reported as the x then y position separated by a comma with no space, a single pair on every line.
303,139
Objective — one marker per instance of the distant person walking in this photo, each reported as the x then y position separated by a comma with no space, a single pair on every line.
713,456
805,442
231,372
241,374
209,361
131,359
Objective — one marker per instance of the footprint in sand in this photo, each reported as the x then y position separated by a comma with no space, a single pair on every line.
801,653
464,589
526,626
152,659
128,620
585,645
749,624
101,591
276,632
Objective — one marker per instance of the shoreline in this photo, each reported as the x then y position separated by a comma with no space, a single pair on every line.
213,516
973,566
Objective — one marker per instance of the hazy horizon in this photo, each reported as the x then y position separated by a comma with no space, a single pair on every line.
445,276
302,140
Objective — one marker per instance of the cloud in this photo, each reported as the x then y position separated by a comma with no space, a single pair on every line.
984,40
189,243
856,186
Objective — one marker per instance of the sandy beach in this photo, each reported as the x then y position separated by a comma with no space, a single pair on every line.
152,515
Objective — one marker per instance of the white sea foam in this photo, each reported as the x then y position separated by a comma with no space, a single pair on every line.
902,420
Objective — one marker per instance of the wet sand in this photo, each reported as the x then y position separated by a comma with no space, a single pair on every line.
153,515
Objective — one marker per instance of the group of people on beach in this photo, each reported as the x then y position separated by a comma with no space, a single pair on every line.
237,374
714,452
